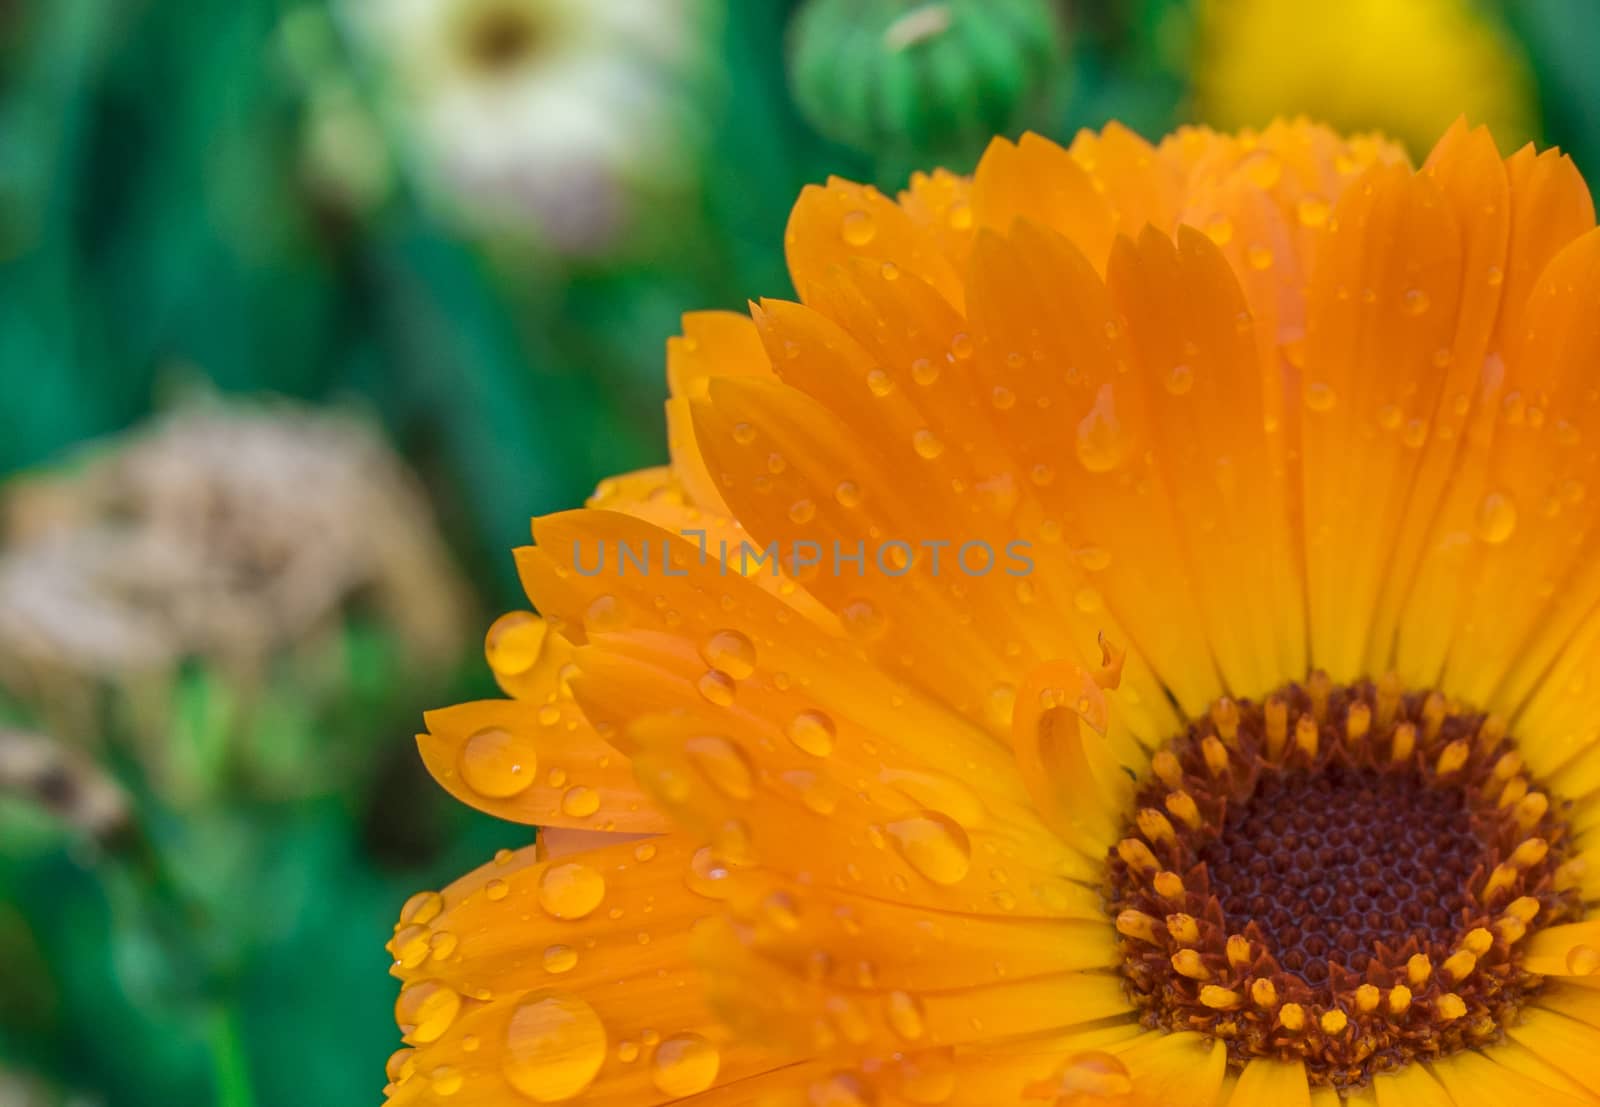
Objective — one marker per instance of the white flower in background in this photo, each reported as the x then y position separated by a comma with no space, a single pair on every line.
543,114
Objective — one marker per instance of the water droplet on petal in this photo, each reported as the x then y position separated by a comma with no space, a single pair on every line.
1497,518
684,1065
716,686
905,1015
934,844
555,1045
605,614
425,1010
927,444
1416,301
580,801
421,908
495,764
708,876
513,642
497,889
802,511
446,1080
1313,211
863,620
848,494
1319,396
924,371
813,732
857,228
879,383
1179,379
732,652
560,959
1259,256
1099,441
571,891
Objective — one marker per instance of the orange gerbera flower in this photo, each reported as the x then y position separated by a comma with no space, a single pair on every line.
1126,636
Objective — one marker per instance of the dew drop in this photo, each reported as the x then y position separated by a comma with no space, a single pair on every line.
863,620
716,686
513,642
744,433
732,652
571,891
604,614
549,715
1583,960
1259,256
1416,301
857,228
904,1014
1495,276
802,511
555,1045
1179,379
879,383
446,1080
707,876
1092,559
1319,396
560,959
847,493
1092,1076
813,732
1497,518
424,1011
927,444
580,802
1389,417
496,889
495,764
890,271
684,1065
1099,440
924,371
421,908
934,844
1002,398
961,345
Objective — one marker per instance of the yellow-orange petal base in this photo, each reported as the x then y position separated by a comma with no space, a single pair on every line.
1285,455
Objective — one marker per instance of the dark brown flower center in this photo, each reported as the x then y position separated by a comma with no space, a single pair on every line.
501,36
1337,874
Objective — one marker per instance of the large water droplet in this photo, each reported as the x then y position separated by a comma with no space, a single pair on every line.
716,686
708,876
495,764
904,1013
555,1045
813,732
857,228
1099,440
421,908
1497,518
513,642
571,891
684,1065
934,844
732,652
580,801
425,1010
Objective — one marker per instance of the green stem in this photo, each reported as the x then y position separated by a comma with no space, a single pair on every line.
228,1060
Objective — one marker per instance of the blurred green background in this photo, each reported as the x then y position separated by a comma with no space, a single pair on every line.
255,252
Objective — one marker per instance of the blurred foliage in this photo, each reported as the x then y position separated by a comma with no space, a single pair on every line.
217,188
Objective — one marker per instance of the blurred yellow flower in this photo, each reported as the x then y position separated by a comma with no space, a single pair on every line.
1406,69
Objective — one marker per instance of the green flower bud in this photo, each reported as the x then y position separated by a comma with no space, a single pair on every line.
913,77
